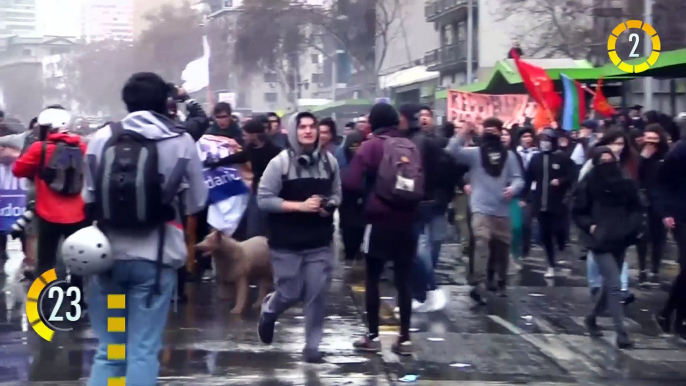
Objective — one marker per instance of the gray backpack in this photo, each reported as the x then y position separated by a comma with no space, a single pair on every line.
63,172
400,178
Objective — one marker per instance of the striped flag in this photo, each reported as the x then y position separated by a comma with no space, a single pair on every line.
574,107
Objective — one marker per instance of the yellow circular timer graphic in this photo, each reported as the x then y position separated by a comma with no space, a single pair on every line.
52,305
634,38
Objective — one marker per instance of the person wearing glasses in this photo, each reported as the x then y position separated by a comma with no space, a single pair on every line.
277,136
223,123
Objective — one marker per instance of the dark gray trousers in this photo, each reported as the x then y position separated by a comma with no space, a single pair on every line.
610,295
301,276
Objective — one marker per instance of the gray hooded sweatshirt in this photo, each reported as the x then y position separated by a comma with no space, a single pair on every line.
176,150
286,179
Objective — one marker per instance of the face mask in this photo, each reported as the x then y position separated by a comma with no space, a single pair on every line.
490,138
546,146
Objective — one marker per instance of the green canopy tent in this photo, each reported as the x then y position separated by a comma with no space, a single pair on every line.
670,65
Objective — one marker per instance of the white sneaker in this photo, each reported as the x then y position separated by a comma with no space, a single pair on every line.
421,307
550,273
439,300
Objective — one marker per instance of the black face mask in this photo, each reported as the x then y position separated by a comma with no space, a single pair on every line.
490,138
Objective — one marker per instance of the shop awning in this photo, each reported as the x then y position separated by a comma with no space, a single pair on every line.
416,74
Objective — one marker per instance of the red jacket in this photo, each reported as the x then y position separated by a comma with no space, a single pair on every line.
50,206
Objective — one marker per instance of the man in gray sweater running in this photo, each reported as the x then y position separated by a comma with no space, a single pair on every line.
495,177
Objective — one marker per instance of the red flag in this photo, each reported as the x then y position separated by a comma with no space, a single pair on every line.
600,103
538,84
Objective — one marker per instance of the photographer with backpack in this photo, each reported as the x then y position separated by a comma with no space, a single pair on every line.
388,169
55,164
134,178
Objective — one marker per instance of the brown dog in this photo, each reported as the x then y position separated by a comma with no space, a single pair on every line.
238,263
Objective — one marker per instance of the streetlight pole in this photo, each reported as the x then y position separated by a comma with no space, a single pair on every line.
647,50
470,41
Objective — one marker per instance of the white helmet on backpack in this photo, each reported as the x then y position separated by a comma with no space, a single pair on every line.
87,252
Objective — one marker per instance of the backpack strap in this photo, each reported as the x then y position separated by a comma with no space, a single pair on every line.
41,166
328,169
157,287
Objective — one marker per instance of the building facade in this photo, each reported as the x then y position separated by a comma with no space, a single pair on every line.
18,17
107,20
59,17
22,82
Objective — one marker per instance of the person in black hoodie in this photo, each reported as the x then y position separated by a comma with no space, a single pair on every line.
653,152
608,212
258,150
433,224
672,207
548,179
351,211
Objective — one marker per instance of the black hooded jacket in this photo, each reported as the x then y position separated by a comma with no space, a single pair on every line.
437,186
609,200
543,168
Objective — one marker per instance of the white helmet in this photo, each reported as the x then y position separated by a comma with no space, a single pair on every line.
56,119
87,252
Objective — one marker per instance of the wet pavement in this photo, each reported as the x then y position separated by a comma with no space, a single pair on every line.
535,336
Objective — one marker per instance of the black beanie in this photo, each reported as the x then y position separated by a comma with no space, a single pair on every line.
383,115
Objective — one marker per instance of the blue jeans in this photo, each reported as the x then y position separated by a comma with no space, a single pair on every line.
432,233
593,273
144,325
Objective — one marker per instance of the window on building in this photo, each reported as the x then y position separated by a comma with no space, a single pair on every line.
26,52
316,78
270,77
315,58
271,97
227,3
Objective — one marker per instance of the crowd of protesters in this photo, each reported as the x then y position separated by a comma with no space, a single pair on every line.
397,182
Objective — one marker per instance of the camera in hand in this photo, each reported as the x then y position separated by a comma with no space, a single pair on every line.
328,205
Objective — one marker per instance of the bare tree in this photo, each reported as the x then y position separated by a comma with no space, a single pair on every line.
173,39
272,33
579,28
97,72
554,28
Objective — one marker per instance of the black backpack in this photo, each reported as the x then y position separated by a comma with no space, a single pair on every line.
129,187
63,172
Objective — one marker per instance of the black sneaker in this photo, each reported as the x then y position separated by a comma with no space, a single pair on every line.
402,348
592,326
313,356
502,289
623,342
643,279
663,322
628,298
367,344
491,286
475,294
265,330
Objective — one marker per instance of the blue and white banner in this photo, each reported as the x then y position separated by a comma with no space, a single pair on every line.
12,192
228,193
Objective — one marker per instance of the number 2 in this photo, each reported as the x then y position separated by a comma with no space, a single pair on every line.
635,39
60,296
